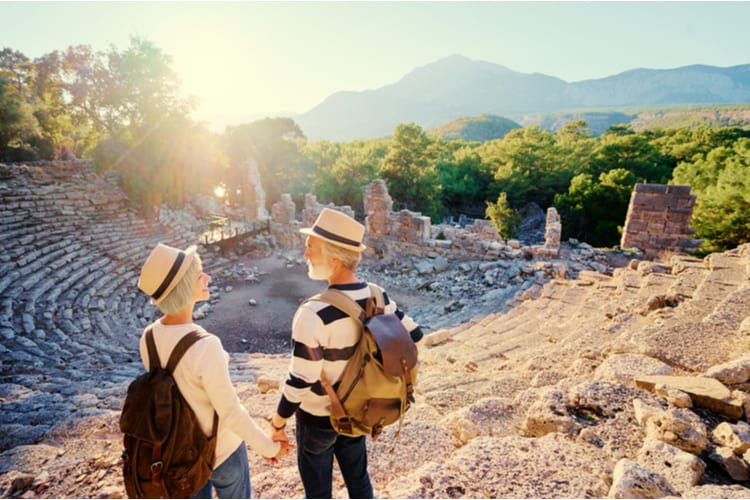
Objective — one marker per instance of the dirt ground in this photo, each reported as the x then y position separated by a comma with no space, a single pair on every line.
266,327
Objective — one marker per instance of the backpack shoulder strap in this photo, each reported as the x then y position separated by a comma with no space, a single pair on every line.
342,301
181,348
153,355
377,294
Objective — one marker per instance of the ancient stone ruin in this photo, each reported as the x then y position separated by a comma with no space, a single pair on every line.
658,220
254,194
596,383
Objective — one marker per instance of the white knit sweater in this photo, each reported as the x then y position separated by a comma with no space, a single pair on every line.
203,378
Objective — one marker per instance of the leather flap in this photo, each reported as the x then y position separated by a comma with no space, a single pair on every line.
394,343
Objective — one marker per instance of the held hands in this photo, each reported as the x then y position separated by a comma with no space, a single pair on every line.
278,434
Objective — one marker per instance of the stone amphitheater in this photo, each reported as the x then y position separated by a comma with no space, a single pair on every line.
629,382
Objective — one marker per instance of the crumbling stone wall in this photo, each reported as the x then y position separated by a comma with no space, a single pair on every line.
378,205
405,226
285,228
313,208
411,232
474,238
658,220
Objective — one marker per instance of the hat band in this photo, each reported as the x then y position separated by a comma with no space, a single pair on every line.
170,276
335,237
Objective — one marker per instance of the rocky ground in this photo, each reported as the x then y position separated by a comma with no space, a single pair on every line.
528,387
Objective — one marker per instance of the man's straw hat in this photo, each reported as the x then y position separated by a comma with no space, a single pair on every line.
163,269
339,229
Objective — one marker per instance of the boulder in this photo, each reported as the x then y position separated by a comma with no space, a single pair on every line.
631,480
679,427
683,470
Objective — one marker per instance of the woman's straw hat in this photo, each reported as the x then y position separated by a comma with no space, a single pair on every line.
163,269
339,229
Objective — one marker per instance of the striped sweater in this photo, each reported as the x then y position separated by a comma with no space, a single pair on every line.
323,339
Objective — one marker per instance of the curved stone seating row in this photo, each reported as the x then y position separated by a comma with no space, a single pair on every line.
571,313
70,311
640,306
70,272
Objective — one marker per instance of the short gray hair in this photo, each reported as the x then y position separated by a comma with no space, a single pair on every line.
181,295
348,258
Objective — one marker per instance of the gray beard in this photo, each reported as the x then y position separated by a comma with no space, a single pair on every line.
319,272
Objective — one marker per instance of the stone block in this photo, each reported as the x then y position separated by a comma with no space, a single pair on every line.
631,480
683,470
650,188
677,190
734,436
704,391
733,465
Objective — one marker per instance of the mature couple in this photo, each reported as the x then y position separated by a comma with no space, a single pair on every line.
323,339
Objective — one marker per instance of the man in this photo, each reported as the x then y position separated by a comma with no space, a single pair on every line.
324,338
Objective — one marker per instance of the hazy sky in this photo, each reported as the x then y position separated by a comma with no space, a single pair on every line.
247,59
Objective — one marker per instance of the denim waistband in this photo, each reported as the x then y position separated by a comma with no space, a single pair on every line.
323,422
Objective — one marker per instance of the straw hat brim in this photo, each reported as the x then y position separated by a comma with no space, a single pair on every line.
310,231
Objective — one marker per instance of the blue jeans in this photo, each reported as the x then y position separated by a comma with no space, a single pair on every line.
231,479
316,448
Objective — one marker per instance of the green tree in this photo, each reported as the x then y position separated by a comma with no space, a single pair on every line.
527,166
631,152
17,125
466,181
343,168
721,182
503,217
274,144
133,97
595,211
410,173
19,70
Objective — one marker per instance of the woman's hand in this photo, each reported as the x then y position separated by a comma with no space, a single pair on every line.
285,448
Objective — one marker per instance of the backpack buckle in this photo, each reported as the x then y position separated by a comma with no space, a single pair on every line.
345,425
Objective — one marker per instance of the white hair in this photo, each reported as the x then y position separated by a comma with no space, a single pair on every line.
348,258
182,294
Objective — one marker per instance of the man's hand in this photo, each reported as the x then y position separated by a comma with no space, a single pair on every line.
285,448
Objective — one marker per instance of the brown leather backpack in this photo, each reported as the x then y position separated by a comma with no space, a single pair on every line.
166,453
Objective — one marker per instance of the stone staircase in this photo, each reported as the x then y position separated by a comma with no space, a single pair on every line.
695,304
558,362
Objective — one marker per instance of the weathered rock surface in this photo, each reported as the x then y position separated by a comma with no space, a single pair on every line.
527,385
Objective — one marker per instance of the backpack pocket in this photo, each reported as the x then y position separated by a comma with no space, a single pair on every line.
380,412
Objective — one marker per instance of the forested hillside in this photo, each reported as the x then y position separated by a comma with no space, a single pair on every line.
480,128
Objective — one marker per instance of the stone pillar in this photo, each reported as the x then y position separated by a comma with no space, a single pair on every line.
378,206
253,193
552,232
311,211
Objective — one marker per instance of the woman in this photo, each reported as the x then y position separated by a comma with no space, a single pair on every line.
175,281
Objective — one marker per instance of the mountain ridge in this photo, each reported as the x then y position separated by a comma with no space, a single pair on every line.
456,87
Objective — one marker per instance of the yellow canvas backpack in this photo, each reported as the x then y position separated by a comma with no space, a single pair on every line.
376,387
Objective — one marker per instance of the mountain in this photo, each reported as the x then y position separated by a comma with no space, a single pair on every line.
478,128
457,87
